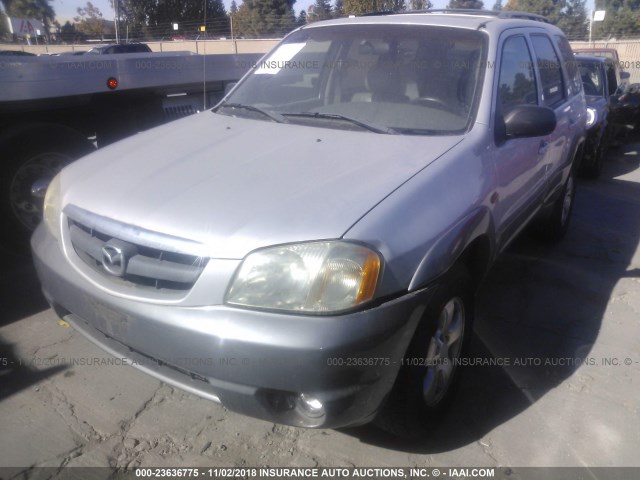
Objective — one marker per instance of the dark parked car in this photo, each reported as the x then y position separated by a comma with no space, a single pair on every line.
16,53
601,91
622,77
120,48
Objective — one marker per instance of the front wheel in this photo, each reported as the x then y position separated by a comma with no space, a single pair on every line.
31,159
430,368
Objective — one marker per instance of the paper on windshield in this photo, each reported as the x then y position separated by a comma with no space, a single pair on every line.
279,59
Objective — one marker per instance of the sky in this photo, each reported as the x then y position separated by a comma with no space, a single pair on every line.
66,9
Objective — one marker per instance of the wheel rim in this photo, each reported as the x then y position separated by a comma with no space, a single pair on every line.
26,206
443,351
567,201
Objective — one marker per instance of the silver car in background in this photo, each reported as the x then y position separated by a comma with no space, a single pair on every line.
308,252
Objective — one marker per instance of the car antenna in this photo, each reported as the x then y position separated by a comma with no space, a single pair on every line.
204,61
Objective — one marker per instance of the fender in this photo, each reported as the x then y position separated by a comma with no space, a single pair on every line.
451,246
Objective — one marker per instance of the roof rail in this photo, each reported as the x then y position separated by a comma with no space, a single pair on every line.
486,13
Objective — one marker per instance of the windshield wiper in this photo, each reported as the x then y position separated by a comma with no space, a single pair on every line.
336,116
276,117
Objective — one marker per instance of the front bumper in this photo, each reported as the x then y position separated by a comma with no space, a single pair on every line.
254,363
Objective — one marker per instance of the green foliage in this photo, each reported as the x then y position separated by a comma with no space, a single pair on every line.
574,20
155,18
68,33
4,27
466,4
355,7
569,15
497,6
420,5
90,22
36,9
264,18
338,9
621,20
302,19
320,10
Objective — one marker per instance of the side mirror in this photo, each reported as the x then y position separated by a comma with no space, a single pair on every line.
529,121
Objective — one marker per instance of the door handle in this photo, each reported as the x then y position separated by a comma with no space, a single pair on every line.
542,149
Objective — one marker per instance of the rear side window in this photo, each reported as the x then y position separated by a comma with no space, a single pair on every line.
570,65
516,85
550,71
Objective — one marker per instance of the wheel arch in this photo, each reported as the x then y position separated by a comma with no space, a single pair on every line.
470,242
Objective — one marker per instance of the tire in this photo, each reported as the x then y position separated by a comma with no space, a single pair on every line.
552,227
594,169
426,381
31,155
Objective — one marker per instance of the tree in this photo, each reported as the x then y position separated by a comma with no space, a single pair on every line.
338,9
234,7
68,33
497,6
420,4
133,15
90,22
302,19
36,9
268,18
4,28
466,4
355,7
621,19
190,12
573,20
320,10
569,15
547,8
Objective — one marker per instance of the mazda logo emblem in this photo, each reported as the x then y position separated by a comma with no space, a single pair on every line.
114,260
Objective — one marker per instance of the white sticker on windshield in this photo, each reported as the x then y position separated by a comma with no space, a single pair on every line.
279,59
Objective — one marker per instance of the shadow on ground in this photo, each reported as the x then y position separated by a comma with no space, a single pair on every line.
20,294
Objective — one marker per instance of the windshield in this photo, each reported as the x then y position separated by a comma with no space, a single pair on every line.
387,79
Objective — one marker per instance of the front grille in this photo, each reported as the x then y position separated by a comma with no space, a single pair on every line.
133,264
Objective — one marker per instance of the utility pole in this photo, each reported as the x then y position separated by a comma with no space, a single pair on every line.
115,6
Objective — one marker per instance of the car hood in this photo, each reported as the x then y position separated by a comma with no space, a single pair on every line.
237,184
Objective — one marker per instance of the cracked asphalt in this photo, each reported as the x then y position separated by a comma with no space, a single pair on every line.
563,321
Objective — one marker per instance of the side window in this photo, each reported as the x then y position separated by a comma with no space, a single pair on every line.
516,84
570,65
550,72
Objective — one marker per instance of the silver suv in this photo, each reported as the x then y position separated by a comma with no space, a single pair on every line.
308,251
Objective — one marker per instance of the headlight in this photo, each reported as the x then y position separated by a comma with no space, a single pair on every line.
51,213
592,117
314,277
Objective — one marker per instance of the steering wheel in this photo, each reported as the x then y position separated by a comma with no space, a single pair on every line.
434,103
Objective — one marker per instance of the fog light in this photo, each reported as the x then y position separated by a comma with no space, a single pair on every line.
311,406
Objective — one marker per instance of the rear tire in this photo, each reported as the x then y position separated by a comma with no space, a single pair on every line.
426,381
594,170
554,225
32,155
